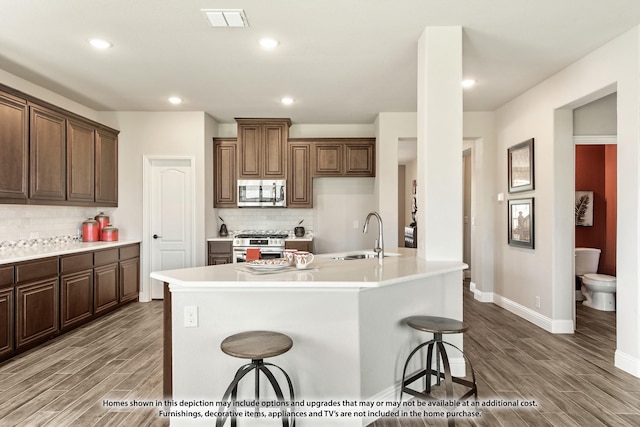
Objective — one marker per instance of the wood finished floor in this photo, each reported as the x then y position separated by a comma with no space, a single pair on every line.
571,377
119,357
64,382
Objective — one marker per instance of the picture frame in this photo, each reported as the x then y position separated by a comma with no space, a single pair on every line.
521,166
521,224
584,208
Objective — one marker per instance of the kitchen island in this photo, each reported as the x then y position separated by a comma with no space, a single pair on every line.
346,319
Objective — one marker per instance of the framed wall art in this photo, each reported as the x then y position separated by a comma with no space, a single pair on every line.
520,166
521,223
584,208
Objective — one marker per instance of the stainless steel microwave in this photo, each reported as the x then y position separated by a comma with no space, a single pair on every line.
262,193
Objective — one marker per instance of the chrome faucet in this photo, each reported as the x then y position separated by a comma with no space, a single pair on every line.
379,245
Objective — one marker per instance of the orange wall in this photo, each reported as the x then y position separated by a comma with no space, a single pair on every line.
596,170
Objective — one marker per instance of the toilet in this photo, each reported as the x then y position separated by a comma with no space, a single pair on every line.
598,289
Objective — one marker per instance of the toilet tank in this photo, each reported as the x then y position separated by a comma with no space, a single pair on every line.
587,260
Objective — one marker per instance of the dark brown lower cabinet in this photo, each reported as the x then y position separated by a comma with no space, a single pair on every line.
105,287
40,299
76,298
220,252
37,315
6,321
129,279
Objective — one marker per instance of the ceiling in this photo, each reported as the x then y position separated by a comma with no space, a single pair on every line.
343,61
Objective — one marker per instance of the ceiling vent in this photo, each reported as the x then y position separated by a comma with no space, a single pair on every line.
226,17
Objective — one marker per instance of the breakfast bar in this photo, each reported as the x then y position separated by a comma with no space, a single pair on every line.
345,316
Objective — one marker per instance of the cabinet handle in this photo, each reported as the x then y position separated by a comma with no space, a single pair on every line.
155,236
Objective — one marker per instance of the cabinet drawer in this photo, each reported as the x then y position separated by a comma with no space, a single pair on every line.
72,263
108,256
6,276
35,270
220,248
129,252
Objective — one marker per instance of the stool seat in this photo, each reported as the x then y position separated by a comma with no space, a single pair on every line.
437,325
256,344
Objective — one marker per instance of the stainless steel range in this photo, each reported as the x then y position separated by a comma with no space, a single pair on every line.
270,243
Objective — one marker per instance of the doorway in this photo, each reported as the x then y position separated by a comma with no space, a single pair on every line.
169,226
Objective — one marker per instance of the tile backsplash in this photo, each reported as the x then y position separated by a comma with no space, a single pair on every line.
266,219
22,222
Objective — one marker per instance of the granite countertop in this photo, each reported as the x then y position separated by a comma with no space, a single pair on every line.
325,272
27,253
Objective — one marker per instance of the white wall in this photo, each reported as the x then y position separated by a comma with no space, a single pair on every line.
389,128
544,113
478,131
596,118
155,134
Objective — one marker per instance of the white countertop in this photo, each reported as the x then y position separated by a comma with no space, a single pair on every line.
34,252
324,272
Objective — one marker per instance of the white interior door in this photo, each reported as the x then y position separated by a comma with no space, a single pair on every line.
171,217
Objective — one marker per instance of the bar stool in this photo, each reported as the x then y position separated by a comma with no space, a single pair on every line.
256,345
438,326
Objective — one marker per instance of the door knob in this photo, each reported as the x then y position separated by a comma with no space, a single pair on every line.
155,236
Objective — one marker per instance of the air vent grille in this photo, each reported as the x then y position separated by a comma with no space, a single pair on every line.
226,17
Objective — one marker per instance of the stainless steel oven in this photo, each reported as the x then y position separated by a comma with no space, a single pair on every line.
270,243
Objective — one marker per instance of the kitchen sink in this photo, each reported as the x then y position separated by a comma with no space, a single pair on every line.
363,255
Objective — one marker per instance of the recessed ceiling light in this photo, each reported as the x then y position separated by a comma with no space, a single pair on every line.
468,83
100,43
268,43
175,100
287,101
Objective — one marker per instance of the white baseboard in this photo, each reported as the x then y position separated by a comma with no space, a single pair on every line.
627,363
561,326
478,295
392,393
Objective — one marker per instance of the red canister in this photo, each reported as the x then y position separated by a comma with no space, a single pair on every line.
90,230
110,233
103,221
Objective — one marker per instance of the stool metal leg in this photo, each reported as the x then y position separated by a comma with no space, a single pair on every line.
232,391
259,366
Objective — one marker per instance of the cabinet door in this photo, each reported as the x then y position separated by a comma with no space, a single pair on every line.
106,169
6,322
14,162
249,148
80,162
225,173
274,154
105,288
327,160
220,253
47,170
129,279
76,293
37,316
299,188
360,159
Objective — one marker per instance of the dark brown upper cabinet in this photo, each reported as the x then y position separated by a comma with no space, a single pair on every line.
262,148
299,185
225,157
334,157
54,157
14,143
81,152
47,153
106,182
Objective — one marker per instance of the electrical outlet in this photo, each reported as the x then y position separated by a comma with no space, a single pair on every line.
355,224
191,316
537,302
